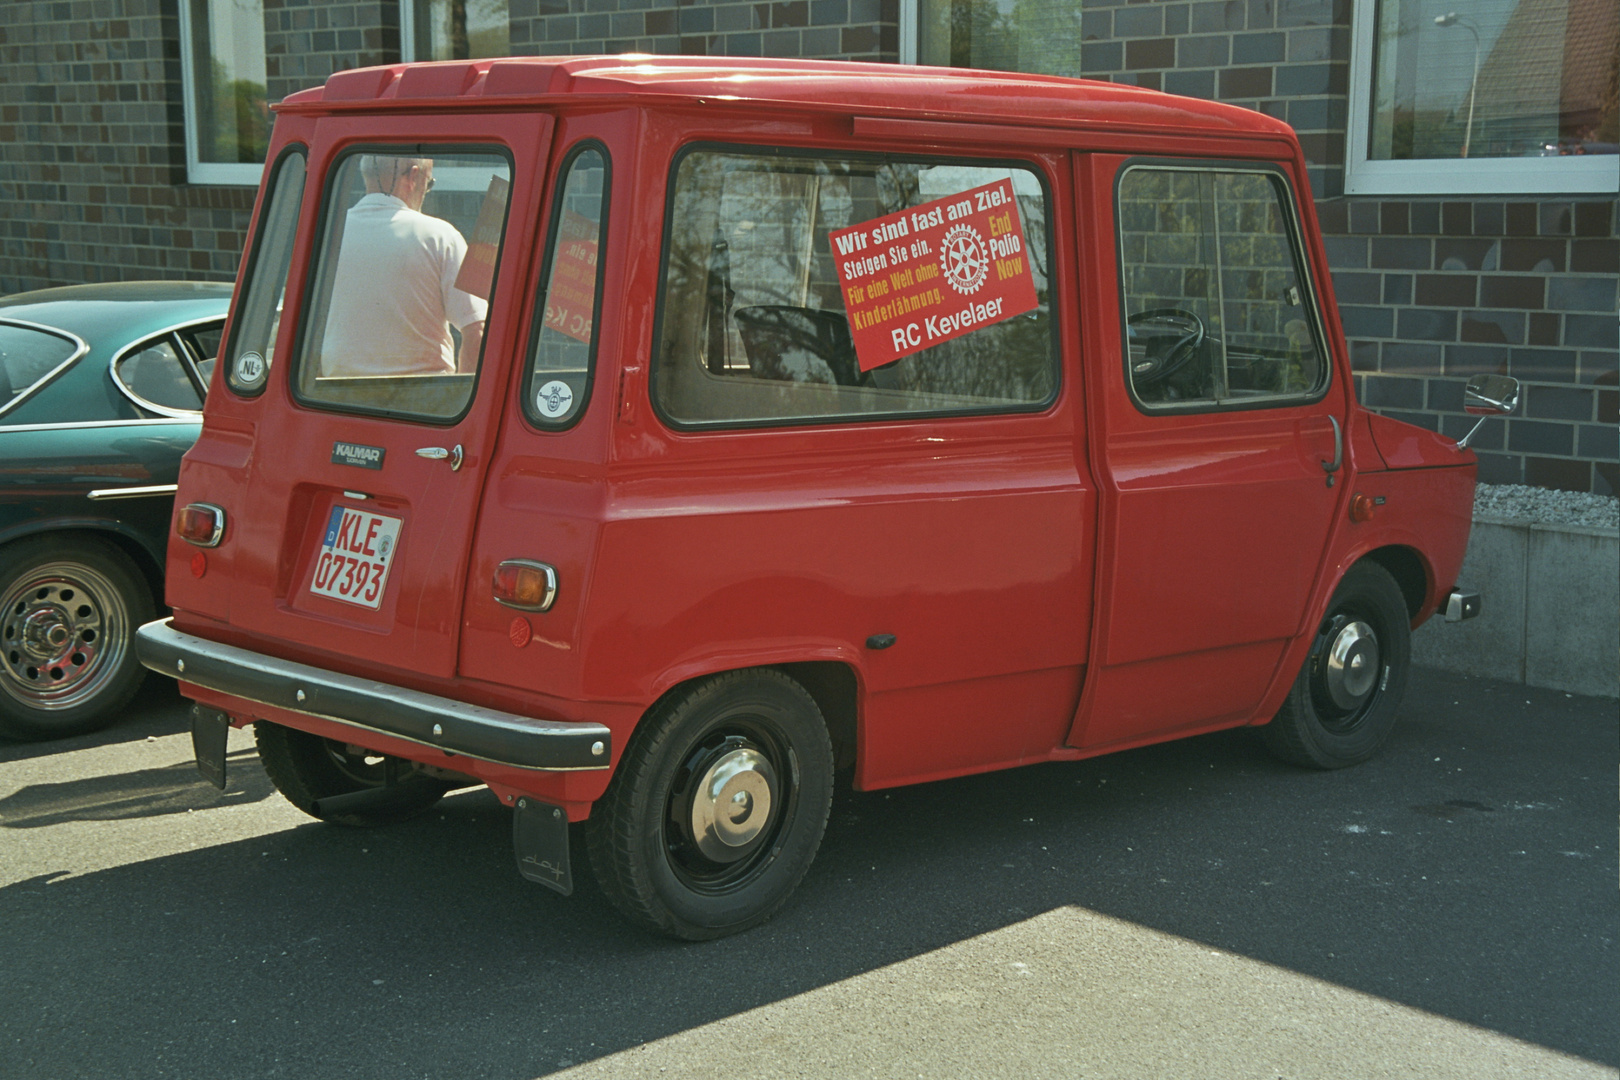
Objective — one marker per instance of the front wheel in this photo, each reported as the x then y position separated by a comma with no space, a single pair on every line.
69,607
1342,706
717,808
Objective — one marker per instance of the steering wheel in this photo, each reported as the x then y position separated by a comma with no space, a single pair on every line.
1169,338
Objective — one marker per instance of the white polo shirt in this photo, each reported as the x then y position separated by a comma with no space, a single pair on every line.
393,293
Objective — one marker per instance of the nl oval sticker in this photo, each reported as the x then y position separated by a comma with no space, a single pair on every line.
938,271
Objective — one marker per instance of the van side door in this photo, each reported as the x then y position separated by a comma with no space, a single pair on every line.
1218,435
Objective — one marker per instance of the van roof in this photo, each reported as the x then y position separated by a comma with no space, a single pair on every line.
820,85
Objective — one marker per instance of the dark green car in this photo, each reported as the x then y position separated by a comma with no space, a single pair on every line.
101,391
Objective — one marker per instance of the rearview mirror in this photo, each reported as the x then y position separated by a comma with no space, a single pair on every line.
1490,395
1486,396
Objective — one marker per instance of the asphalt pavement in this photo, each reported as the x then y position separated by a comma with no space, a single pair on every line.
1190,909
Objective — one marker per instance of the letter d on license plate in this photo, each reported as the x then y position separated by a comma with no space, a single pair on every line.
355,553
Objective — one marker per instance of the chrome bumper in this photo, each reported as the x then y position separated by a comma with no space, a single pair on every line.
1461,604
501,738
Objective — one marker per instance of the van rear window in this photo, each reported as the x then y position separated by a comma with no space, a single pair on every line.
402,282
809,288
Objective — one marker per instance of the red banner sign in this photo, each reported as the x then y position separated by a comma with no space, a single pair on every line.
934,272
571,297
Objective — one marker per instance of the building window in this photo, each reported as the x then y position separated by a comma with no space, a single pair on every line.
454,29
223,74
1036,36
1488,96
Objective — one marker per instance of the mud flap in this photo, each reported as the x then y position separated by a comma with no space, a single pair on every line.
540,841
209,727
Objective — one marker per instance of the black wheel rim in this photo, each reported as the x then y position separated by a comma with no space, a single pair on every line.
361,767
729,805
1349,672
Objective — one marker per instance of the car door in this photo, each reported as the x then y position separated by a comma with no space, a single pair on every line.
1220,429
373,439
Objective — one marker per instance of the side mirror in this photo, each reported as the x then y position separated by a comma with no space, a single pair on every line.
1486,396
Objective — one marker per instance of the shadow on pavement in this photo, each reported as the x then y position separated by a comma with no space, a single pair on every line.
1469,871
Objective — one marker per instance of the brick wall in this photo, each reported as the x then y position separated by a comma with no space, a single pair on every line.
307,40
1431,290
92,152
818,29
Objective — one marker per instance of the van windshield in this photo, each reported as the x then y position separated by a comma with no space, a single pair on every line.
402,282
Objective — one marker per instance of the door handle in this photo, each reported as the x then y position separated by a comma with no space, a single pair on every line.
1330,467
439,453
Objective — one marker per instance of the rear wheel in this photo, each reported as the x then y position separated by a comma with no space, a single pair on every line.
1342,706
717,808
308,769
69,608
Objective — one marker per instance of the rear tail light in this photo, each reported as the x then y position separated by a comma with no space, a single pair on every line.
200,524
526,585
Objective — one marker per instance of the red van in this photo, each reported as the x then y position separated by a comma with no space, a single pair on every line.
650,438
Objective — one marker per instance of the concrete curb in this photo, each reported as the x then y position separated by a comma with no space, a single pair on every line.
1551,614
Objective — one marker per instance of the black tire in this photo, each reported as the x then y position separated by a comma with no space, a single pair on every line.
751,734
69,609
1342,706
307,768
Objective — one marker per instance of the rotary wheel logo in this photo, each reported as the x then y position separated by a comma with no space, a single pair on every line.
964,259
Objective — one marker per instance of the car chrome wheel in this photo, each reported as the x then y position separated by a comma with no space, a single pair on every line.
65,630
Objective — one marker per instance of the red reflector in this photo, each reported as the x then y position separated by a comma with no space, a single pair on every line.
199,564
200,524
520,632
524,584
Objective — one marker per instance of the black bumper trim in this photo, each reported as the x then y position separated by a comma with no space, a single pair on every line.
472,731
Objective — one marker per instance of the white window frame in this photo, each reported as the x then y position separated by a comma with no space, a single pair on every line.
198,171
1599,174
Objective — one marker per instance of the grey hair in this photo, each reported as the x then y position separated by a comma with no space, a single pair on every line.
371,166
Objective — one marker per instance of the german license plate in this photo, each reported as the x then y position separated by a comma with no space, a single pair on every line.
356,551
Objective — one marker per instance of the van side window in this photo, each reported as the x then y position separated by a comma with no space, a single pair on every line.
258,310
560,370
402,280
1217,310
809,288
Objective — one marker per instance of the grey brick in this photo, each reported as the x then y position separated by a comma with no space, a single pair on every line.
1540,437
1591,331
1401,253
1599,441
1200,84
1265,48
1140,21
1581,294
1197,52
1392,392
1408,358
1367,322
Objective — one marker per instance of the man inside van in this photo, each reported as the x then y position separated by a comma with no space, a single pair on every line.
393,295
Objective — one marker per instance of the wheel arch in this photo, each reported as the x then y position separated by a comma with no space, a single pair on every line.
149,563
833,684
1409,570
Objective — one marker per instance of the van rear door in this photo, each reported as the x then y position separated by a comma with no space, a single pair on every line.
375,433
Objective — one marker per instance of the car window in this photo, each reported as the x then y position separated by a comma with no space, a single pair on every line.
802,288
559,372
27,356
402,280
156,375
1217,311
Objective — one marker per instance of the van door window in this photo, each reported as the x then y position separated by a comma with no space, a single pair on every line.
1217,310
403,276
565,344
258,311
800,288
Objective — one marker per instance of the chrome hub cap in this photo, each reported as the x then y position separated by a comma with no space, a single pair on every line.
732,804
63,632
1351,665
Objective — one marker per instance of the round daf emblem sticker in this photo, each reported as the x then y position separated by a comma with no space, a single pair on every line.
250,369
554,399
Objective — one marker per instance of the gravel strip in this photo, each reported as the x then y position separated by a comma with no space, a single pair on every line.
1546,507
